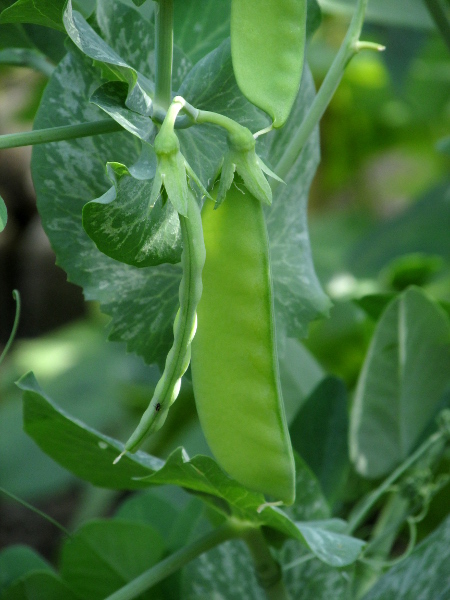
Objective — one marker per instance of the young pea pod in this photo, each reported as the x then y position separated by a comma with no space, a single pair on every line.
267,49
234,362
177,361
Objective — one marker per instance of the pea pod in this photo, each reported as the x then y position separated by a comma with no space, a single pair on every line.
234,362
168,387
267,49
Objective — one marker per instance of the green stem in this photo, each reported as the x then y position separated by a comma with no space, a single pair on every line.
164,54
268,571
58,134
347,50
174,562
16,297
440,17
366,506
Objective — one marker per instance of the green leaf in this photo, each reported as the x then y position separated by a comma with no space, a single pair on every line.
91,44
39,12
111,97
3,213
78,448
300,373
124,225
329,544
142,304
423,574
89,455
402,13
26,57
16,561
319,434
102,556
298,295
39,584
404,376
209,19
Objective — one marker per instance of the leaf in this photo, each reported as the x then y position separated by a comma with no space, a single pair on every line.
89,455
39,584
78,448
422,575
209,19
3,213
26,57
401,13
16,561
300,373
125,226
39,12
90,43
298,295
66,175
102,556
111,97
332,547
404,376
319,434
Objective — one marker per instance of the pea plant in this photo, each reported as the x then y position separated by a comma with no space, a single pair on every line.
175,144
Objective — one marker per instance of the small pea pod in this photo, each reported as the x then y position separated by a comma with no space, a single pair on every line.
234,362
267,49
178,358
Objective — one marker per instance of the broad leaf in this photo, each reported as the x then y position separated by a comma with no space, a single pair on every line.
102,556
299,297
319,434
423,574
89,455
90,43
3,212
17,561
209,19
42,12
402,13
125,226
26,57
404,376
39,584
111,97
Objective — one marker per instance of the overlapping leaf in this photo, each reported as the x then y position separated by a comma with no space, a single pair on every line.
402,383
90,455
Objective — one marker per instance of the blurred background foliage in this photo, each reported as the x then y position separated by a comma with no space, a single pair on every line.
379,221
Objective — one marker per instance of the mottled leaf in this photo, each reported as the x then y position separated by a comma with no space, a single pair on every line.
125,226
402,382
298,295
424,575
111,97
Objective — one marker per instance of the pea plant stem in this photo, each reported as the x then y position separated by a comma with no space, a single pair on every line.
164,54
57,134
347,50
268,571
441,18
174,562
369,502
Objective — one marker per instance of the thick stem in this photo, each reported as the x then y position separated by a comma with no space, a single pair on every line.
366,506
164,54
347,50
58,134
268,571
440,17
174,562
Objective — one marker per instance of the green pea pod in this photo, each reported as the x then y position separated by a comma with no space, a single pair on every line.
234,362
267,49
168,387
